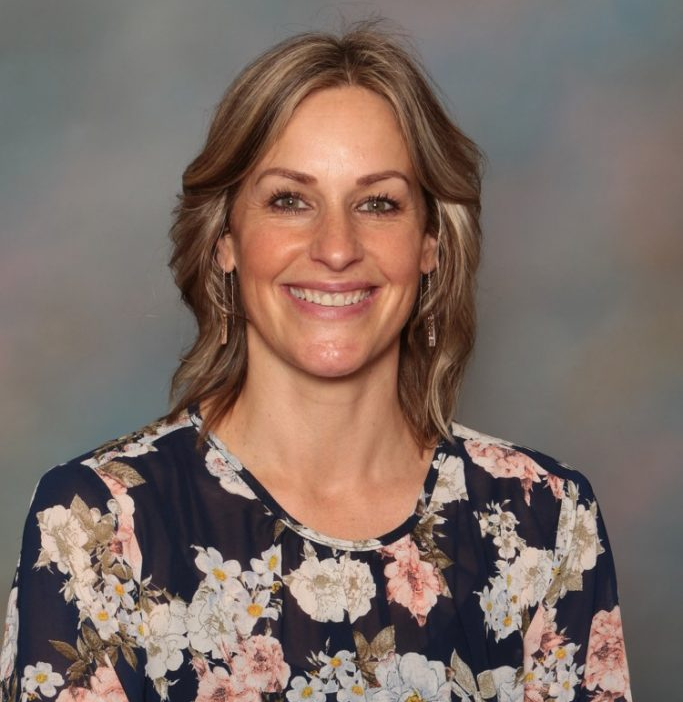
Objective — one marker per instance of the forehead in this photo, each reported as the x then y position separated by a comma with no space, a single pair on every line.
337,129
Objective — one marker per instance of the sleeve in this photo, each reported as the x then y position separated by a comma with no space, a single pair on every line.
69,632
574,644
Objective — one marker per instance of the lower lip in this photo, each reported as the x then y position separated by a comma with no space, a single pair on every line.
331,312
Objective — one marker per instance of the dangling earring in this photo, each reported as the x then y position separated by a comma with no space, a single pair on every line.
224,306
224,313
431,324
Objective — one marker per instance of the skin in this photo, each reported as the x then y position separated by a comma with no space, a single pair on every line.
334,207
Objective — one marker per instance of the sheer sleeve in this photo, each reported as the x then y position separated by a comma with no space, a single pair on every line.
71,630
574,644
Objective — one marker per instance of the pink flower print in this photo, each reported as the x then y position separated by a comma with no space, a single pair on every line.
214,685
556,485
606,666
115,487
541,636
104,685
124,543
411,582
260,664
503,462
400,550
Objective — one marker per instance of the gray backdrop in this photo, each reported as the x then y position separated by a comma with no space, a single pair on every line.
579,106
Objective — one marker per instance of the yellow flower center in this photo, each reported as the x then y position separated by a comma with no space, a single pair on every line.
514,599
41,678
357,690
272,563
560,653
489,606
254,610
103,615
508,579
218,574
507,621
306,692
415,697
119,590
529,677
141,629
335,662
565,684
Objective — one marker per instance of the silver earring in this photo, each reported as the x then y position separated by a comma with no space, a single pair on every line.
431,323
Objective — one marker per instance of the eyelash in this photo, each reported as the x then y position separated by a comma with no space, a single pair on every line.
293,195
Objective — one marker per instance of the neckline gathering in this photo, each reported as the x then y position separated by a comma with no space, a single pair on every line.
269,503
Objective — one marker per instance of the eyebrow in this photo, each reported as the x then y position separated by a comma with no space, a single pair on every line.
307,179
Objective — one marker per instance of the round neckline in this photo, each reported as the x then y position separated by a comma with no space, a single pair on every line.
273,506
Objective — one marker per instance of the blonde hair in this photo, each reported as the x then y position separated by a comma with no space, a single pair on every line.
247,121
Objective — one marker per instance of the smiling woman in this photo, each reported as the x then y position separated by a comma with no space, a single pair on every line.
326,239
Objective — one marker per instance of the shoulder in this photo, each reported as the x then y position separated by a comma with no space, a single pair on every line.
499,461
113,467
536,495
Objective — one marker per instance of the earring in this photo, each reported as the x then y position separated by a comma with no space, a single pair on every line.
224,314
431,323
224,306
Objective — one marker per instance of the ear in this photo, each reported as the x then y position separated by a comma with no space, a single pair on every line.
429,250
225,253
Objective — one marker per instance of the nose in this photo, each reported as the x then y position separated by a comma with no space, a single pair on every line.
336,242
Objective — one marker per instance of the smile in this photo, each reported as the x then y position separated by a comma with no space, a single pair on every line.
326,299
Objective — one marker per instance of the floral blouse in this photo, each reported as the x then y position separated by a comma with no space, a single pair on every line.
158,568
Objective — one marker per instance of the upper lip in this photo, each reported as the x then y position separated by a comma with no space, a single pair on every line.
332,287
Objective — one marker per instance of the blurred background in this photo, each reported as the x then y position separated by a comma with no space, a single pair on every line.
578,106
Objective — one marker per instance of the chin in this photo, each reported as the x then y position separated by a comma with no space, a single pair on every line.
331,363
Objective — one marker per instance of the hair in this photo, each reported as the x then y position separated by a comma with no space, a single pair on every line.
247,121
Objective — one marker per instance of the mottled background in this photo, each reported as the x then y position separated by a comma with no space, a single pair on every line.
579,107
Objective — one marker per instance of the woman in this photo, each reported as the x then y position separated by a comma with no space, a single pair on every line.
307,523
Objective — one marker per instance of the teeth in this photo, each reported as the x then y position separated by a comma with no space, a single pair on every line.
330,299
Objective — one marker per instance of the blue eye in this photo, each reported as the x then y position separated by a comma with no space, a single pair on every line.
380,204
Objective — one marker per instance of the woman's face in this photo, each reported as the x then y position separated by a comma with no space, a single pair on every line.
327,238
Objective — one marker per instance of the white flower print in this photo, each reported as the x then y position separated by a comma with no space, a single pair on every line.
410,676
317,587
218,571
131,449
268,566
249,608
9,645
353,688
359,587
119,592
450,484
135,625
531,574
103,616
339,666
63,539
227,474
504,679
210,625
304,690
166,639
40,677
563,689
586,542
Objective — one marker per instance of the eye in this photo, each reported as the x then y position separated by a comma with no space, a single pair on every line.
286,201
379,205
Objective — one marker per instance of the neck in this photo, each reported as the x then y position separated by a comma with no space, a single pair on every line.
286,422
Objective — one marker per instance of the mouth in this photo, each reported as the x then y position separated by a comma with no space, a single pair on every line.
330,299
